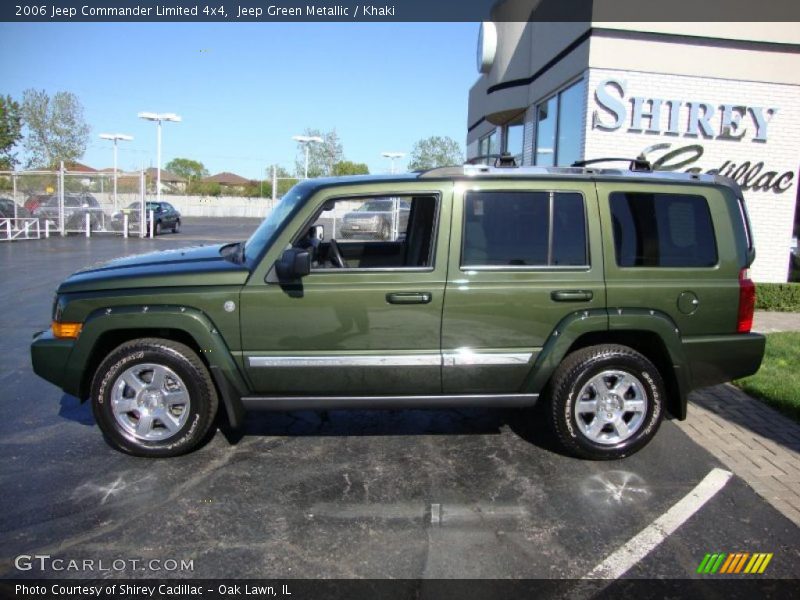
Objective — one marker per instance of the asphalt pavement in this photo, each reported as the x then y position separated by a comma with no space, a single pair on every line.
359,494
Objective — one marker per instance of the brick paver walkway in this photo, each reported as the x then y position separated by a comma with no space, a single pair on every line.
754,441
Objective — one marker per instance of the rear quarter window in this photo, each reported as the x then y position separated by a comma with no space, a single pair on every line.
662,230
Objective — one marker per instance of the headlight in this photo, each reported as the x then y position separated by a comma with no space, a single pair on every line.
61,329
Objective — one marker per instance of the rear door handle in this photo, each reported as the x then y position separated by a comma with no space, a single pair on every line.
409,297
571,295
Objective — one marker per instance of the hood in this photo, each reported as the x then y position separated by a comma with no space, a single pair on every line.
198,266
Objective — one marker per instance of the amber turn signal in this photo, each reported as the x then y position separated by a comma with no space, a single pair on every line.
66,330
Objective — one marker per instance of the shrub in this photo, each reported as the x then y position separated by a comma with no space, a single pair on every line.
784,297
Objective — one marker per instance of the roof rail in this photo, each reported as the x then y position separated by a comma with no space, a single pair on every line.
635,164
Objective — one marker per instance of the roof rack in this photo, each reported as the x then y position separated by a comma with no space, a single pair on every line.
634,164
502,160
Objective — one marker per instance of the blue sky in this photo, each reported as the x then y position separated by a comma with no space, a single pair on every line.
244,89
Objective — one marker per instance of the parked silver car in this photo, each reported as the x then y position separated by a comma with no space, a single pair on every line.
374,219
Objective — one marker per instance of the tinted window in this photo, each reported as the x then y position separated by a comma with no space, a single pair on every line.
662,230
513,229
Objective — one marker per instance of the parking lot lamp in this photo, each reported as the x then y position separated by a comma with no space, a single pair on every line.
158,118
391,156
306,140
115,137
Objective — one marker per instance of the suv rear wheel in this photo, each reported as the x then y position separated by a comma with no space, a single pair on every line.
153,397
605,402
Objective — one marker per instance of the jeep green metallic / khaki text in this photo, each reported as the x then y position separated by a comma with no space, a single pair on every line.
603,295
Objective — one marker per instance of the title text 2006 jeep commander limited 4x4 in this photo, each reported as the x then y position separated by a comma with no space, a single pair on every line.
606,294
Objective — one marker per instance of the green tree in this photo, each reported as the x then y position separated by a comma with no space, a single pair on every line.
187,168
55,127
203,188
285,181
435,151
322,157
347,167
10,131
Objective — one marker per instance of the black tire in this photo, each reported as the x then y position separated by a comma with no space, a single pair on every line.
580,369
194,378
157,228
177,227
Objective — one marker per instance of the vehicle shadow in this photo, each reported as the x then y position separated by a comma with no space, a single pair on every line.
527,423
72,409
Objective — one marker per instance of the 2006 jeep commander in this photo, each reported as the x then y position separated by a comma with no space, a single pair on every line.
606,294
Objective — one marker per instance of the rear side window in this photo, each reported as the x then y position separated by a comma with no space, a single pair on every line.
662,230
518,229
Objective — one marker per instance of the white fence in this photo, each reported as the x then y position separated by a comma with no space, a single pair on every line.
19,229
220,206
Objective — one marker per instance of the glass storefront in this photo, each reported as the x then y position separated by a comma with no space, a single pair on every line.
559,127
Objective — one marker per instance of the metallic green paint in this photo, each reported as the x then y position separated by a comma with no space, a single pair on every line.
334,313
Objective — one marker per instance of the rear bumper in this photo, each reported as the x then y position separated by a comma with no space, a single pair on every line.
717,359
49,357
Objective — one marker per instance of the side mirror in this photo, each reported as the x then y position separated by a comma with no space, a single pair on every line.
294,263
316,232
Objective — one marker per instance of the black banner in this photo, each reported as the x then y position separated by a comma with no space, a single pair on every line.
370,589
397,10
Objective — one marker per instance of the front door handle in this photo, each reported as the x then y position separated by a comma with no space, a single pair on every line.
409,297
571,295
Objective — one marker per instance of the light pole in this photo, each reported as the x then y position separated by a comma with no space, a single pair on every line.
306,140
391,156
158,117
115,137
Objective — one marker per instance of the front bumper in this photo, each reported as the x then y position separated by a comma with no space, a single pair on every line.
49,357
717,359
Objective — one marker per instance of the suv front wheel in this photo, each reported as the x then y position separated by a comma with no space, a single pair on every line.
605,402
153,397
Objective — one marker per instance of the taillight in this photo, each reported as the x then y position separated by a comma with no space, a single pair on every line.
747,302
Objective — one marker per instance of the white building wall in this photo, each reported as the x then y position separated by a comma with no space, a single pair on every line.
771,213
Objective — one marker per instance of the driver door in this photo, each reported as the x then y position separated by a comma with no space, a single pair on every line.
368,325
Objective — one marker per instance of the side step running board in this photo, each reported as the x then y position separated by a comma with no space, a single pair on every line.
287,403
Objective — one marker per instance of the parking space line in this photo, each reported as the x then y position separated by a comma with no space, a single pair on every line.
644,542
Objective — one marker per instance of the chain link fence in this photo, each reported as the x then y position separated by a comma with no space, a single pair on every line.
37,204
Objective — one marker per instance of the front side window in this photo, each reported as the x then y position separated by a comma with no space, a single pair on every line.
524,229
372,233
662,230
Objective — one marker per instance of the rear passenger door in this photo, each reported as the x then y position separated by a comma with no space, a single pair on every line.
669,249
523,256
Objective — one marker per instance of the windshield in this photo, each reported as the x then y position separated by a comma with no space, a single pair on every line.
278,216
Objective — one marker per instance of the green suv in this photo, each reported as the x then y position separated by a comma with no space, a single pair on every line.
602,295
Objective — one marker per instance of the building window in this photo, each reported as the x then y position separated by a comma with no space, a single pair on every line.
488,145
513,140
524,229
559,127
662,230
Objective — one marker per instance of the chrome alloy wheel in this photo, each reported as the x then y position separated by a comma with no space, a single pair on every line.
150,402
611,407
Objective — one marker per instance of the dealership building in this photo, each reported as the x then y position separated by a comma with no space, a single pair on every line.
697,97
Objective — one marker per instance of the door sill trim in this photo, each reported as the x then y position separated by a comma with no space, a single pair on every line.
289,403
